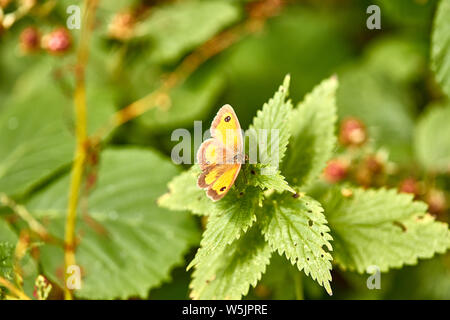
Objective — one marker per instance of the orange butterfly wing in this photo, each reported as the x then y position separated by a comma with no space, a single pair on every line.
216,156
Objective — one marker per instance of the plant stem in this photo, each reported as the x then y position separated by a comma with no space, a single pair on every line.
22,212
12,288
81,137
298,286
257,16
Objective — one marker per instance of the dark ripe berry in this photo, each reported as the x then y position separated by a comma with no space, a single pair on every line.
57,41
30,40
352,132
335,171
374,164
410,185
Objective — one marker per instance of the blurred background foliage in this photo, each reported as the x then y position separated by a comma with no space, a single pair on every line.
386,84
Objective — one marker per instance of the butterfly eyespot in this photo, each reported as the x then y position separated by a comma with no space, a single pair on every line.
223,188
227,119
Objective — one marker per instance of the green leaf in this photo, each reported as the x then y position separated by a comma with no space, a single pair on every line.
440,46
313,138
184,194
382,228
6,260
28,267
228,273
179,27
6,232
268,179
298,228
37,131
232,216
127,244
272,123
432,143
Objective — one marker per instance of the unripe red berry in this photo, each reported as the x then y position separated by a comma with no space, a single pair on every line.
57,41
352,132
410,185
122,26
30,40
436,201
335,171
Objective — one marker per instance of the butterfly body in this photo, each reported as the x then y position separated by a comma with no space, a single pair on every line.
220,157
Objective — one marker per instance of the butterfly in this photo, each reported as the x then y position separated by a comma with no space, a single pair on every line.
220,157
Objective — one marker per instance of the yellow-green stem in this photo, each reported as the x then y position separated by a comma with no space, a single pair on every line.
15,291
81,138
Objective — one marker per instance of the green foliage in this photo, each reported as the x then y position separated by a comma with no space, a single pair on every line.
273,120
440,49
184,194
298,228
6,260
266,177
36,137
433,126
232,218
382,228
376,85
228,273
313,137
133,229
173,33
123,231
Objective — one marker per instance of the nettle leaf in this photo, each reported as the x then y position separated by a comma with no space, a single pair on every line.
231,218
272,123
6,260
432,143
127,244
313,139
297,227
382,228
228,273
179,27
28,268
266,177
440,46
184,194
37,131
